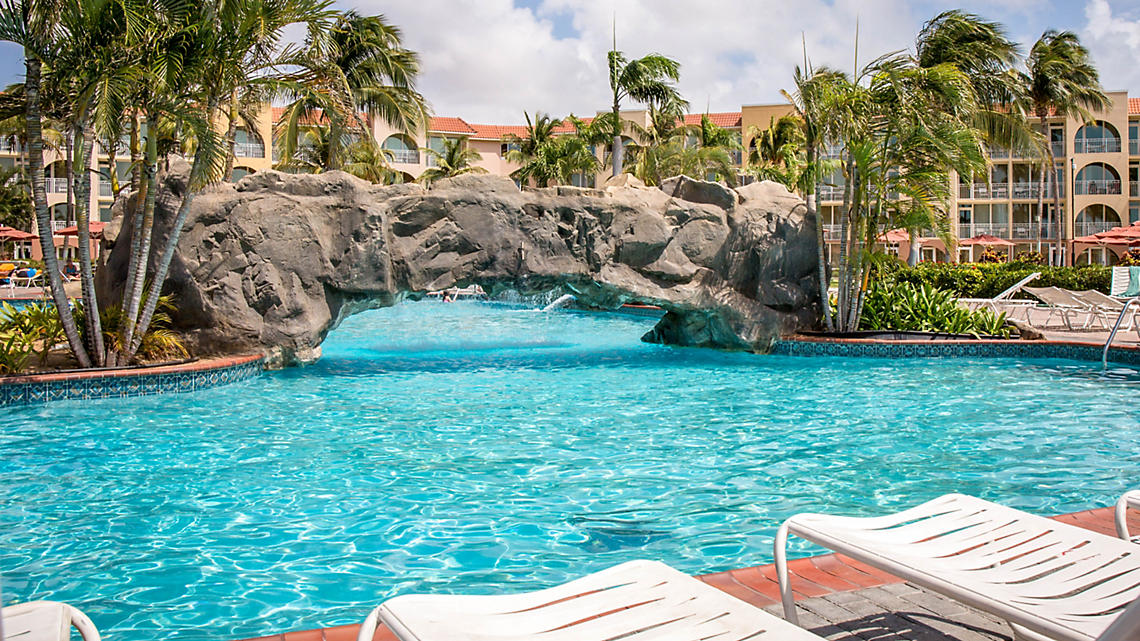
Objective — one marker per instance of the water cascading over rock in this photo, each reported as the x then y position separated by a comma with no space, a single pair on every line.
273,263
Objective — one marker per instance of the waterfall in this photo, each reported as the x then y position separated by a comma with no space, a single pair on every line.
561,301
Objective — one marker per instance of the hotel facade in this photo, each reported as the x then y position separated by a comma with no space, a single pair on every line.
1098,175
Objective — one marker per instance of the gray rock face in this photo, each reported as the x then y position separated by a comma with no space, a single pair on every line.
272,263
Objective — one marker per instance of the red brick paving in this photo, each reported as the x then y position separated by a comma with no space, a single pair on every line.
813,576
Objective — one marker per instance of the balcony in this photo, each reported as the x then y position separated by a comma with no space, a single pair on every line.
982,190
1096,187
105,190
830,192
1001,230
998,152
404,156
1090,228
1058,148
249,150
1096,145
831,152
1134,189
56,185
831,232
737,157
57,225
1134,147
11,147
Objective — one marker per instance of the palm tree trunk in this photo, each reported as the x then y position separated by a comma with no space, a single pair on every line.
1061,259
68,168
1041,188
34,126
113,163
915,251
616,150
844,230
136,167
140,253
821,239
231,134
85,143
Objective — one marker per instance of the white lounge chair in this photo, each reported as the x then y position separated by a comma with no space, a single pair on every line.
1049,580
45,621
1067,305
635,601
1130,500
1005,299
1121,280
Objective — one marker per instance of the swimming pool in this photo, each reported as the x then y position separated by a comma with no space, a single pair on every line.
474,447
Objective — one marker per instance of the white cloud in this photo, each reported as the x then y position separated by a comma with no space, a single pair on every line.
487,60
1114,42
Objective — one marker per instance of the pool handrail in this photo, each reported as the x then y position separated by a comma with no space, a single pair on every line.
1116,328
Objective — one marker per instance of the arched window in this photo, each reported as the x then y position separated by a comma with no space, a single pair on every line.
1097,138
242,172
402,149
247,145
1097,178
1096,218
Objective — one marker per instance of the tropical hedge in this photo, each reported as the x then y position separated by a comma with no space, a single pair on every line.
982,280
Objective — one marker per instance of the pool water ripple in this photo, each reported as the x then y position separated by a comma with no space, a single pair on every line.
471,447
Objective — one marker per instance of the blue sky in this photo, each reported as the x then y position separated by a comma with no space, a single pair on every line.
488,60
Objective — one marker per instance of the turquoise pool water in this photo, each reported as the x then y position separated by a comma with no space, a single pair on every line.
472,447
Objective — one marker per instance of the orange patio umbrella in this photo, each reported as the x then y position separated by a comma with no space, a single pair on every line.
95,227
11,233
894,236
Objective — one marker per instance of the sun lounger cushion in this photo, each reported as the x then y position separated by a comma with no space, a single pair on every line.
1133,282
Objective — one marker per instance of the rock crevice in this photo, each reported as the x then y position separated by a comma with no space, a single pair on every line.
273,263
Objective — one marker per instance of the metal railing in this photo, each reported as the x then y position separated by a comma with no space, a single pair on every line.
11,147
56,185
831,232
1096,187
1133,147
1134,188
998,152
737,157
1096,145
831,152
249,150
405,156
1090,228
982,190
105,189
831,192
57,225
1116,328
1058,148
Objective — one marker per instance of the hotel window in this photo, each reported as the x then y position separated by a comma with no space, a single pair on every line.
1133,212
1134,138
507,147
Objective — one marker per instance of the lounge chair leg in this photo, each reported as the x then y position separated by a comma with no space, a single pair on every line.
786,596
86,628
368,628
1121,515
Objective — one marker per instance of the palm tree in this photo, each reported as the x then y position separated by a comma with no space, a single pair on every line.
368,161
538,133
647,79
1059,81
774,153
456,159
358,64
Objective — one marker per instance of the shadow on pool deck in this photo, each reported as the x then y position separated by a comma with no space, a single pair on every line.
840,599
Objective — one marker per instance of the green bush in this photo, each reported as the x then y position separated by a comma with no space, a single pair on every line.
904,306
978,280
37,324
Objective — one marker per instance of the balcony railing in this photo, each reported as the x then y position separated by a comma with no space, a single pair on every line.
105,189
737,157
1134,189
831,192
1133,147
56,185
1096,145
249,150
1058,148
832,152
405,156
11,147
1096,187
982,190
831,232
998,152
57,225
1090,228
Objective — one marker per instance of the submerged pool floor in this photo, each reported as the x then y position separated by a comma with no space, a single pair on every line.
462,446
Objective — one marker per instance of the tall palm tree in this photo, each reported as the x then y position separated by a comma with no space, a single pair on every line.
816,101
774,153
455,159
538,133
1059,80
647,79
357,64
367,160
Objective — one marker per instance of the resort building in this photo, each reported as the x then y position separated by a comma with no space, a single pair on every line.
1098,176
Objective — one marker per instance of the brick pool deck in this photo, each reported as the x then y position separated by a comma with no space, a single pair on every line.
840,599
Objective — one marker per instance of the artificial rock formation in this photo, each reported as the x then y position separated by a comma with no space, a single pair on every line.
272,263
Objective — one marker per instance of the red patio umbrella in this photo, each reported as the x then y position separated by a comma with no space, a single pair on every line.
894,236
986,240
11,233
96,228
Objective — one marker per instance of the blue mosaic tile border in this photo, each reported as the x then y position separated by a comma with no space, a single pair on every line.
944,349
32,393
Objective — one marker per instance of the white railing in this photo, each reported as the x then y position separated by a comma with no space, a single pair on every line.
1058,148
57,225
1134,189
56,185
737,157
1001,230
1096,145
831,232
405,156
249,150
1090,228
982,190
1134,147
1096,187
830,192
11,147
998,152
105,189
831,152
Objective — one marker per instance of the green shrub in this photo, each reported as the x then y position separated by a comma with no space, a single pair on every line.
904,306
15,352
986,280
37,324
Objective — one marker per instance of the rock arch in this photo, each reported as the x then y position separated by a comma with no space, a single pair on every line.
276,261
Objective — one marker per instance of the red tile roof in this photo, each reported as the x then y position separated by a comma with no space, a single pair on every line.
724,119
445,125
497,132
567,128
1133,106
